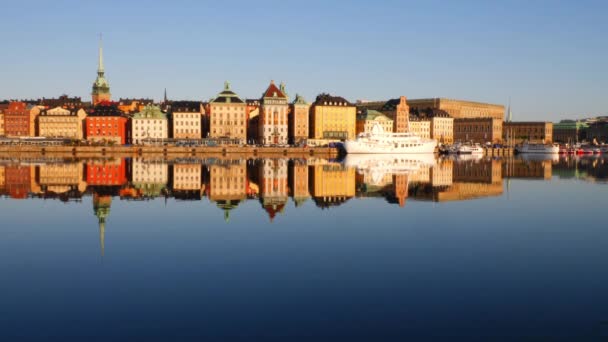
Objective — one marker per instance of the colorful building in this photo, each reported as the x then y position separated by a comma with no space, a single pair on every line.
149,124
61,122
101,86
107,172
332,118
299,120
228,115
480,130
186,119
106,123
533,132
368,118
17,119
273,122
441,124
332,184
2,122
133,105
421,127
399,111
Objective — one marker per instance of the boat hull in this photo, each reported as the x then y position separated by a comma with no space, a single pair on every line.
355,147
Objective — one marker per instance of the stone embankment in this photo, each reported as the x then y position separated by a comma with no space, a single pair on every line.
236,151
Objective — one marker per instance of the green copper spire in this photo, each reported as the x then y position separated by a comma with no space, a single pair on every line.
226,85
101,85
100,63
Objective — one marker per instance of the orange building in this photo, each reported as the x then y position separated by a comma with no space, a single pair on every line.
17,119
106,123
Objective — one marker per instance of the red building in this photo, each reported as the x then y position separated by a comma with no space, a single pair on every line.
18,181
106,173
106,123
17,119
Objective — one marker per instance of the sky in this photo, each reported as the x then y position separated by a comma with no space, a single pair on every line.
548,57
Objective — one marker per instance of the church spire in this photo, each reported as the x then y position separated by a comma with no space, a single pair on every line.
100,63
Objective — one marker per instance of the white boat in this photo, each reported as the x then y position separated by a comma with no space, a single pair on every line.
470,149
537,148
381,142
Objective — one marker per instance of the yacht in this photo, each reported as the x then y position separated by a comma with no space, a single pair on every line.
378,142
470,149
537,148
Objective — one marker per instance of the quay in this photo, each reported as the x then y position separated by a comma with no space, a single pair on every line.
92,151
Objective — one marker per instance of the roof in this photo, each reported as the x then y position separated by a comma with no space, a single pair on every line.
371,115
391,104
325,99
63,111
299,100
185,106
273,91
227,96
429,113
150,112
106,109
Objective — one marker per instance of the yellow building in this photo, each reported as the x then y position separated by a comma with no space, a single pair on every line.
187,177
367,119
228,116
298,120
59,122
332,117
421,128
1,122
459,109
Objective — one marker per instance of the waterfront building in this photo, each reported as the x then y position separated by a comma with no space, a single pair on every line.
298,180
253,121
134,105
187,119
106,123
18,180
274,190
228,115
274,109
59,122
441,124
598,132
2,122
228,184
420,127
332,118
570,131
368,118
63,101
459,109
480,130
533,132
299,120
17,119
332,184
399,111
101,86
149,123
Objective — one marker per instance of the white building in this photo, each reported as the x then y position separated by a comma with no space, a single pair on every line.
273,119
150,123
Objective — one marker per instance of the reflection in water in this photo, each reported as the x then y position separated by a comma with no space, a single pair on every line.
329,183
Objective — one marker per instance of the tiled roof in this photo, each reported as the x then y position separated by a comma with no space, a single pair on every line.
273,91
227,96
371,115
106,109
185,106
329,100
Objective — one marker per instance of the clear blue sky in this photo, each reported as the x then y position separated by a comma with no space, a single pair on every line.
550,57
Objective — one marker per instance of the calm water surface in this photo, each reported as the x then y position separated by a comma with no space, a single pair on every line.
279,249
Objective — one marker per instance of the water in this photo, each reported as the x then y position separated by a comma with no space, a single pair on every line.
280,249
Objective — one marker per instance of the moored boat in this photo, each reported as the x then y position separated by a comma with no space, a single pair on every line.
380,142
537,148
470,149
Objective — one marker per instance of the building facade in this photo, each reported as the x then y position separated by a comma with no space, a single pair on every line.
186,117
274,189
570,131
332,117
60,122
442,125
399,111
149,124
299,120
459,109
17,119
63,101
228,185
106,123
368,118
2,122
533,132
274,109
420,127
480,130
332,184
101,86
228,116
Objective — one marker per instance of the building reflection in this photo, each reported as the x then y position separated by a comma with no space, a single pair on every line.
271,182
